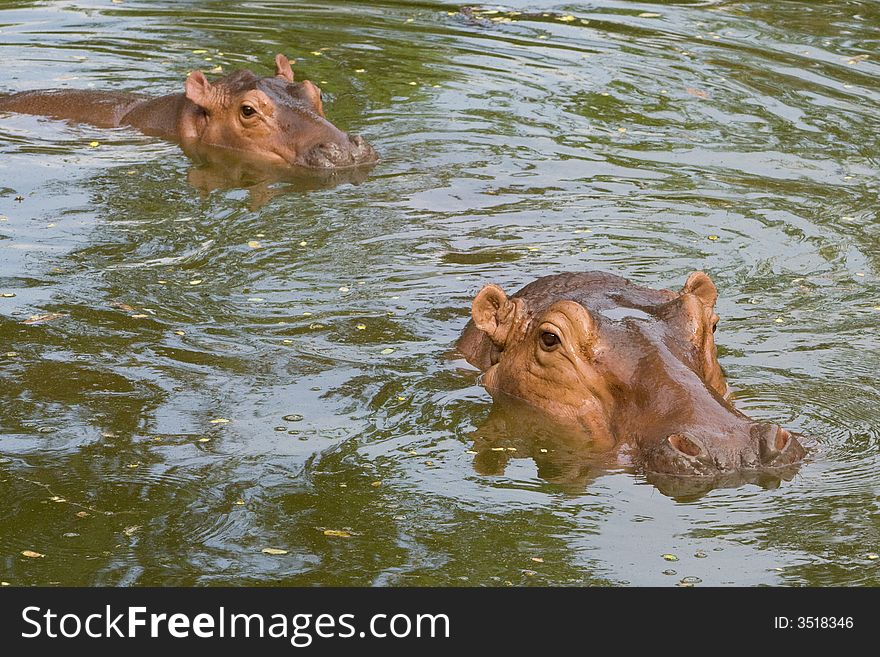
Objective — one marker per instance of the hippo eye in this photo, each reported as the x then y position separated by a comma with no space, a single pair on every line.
247,111
549,340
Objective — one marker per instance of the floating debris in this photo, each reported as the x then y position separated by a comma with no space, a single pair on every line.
337,533
275,552
219,420
538,559
293,417
699,554
30,554
42,319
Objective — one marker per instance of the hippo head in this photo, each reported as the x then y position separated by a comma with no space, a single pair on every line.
273,118
625,364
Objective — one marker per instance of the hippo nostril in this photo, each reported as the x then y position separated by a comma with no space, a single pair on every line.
782,438
773,441
685,445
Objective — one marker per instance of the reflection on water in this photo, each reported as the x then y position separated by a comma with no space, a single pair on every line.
230,373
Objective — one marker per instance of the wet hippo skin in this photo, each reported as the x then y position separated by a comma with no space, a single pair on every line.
271,120
630,370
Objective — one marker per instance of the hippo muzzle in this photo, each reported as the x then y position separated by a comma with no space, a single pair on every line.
768,446
347,151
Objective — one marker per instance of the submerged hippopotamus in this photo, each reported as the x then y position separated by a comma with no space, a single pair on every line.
272,120
630,370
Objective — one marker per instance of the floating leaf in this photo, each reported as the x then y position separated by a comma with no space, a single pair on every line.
538,559
254,244
376,484
713,238
83,514
196,281
361,327
567,19
274,551
219,420
42,319
32,555
649,14
338,533
7,295
670,557
94,144
386,351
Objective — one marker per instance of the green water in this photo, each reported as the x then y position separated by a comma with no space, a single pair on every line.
646,139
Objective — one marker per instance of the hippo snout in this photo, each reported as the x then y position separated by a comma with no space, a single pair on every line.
351,151
765,446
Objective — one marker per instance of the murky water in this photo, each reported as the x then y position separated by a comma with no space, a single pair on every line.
236,371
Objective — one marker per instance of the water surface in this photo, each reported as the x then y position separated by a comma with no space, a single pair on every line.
239,370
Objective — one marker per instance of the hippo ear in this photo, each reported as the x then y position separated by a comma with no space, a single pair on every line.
493,314
282,68
700,285
199,90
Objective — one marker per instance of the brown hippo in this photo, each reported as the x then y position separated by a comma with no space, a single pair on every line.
272,119
631,370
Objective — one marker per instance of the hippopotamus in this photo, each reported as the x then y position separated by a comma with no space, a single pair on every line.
629,371
273,120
